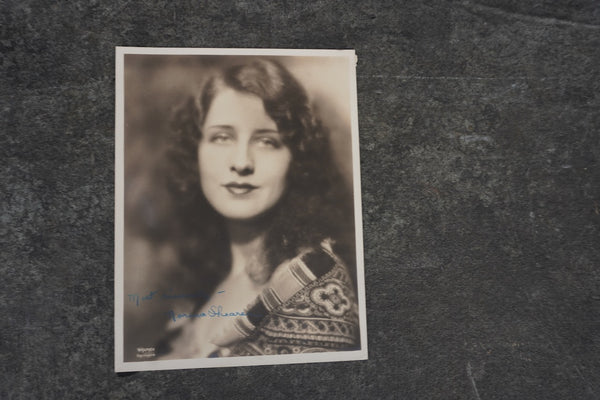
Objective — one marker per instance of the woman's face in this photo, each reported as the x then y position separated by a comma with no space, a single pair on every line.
242,159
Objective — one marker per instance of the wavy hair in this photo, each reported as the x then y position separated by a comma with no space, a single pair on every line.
316,203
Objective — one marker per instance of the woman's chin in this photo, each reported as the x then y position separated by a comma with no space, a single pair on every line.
243,217
244,213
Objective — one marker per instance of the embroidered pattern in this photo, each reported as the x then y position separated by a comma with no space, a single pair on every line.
332,298
323,316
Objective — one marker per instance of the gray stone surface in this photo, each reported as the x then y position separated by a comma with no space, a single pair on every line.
480,150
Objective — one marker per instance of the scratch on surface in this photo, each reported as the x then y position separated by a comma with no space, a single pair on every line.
544,20
475,138
470,375
585,380
433,190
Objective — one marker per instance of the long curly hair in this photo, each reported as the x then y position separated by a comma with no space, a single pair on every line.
316,205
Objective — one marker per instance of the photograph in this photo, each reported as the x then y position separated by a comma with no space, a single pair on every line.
238,229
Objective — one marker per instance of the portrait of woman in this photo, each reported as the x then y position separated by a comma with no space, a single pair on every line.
258,218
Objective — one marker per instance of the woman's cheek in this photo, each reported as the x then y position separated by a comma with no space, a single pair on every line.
209,159
278,163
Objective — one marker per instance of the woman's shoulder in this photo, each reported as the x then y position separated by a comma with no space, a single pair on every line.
309,305
312,264
329,300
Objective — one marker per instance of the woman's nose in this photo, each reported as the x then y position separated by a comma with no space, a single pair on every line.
242,161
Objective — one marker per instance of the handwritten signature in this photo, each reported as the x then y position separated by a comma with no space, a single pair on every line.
213,311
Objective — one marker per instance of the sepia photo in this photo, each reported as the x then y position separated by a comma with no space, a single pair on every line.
238,231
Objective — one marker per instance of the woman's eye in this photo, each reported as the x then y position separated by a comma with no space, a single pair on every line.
269,142
221,138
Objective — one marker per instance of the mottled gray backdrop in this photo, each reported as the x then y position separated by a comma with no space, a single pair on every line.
480,148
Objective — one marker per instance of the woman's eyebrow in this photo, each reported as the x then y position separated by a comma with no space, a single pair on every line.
228,127
266,130
220,127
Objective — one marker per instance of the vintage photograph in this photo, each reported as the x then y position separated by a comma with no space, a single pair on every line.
238,232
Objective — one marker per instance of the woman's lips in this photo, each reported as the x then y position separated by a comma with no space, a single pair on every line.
238,189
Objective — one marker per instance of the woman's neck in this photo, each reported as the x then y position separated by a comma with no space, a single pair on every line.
247,249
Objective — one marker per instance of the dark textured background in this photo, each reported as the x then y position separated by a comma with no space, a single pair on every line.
481,192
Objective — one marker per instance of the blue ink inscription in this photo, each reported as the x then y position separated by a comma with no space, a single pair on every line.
135,298
213,312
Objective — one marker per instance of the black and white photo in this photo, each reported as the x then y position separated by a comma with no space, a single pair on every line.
238,233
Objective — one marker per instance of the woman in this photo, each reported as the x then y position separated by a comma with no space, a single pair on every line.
265,215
